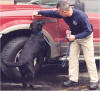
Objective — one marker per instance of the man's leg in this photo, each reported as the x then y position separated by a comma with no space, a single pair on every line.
88,51
73,61
73,65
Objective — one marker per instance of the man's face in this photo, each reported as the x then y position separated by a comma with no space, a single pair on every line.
65,13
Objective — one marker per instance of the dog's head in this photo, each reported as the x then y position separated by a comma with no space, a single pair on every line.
36,26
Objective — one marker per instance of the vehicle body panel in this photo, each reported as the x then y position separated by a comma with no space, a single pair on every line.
13,15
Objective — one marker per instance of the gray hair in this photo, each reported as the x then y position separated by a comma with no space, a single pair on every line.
63,5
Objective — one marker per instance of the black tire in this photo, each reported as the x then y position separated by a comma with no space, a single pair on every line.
9,53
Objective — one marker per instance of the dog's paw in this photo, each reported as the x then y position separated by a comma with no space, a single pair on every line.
31,86
24,85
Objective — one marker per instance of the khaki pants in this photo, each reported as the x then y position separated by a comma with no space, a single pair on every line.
86,44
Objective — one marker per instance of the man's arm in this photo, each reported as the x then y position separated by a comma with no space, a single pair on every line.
48,13
83,35
86,26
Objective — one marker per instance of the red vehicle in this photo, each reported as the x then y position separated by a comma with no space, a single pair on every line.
14,30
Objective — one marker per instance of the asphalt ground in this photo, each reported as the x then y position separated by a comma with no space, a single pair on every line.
51,78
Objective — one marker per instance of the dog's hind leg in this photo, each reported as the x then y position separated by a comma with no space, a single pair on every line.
31,68
23,78
32,74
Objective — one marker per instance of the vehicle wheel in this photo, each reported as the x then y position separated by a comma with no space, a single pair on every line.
11,52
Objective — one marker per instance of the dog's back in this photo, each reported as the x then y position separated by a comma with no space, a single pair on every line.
32,45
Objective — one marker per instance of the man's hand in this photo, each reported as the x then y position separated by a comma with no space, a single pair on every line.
71,38
35,13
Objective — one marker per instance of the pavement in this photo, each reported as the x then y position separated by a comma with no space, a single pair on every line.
51,78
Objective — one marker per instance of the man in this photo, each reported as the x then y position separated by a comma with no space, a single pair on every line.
82,37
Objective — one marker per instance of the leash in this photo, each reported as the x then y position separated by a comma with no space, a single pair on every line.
64,63
59,44
48,42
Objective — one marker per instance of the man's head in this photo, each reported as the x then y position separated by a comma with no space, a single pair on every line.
64,8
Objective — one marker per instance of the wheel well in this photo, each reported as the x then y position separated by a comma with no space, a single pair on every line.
26,33
11,35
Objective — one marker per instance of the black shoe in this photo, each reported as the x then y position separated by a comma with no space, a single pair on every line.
93,85
31,86
70,83
24,85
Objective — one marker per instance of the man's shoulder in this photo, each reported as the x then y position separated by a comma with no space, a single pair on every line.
79,13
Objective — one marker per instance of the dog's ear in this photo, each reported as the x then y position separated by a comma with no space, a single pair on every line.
33,24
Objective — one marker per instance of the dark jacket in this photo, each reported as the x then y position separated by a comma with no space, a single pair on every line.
78,22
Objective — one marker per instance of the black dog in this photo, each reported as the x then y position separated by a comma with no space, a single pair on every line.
35,46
